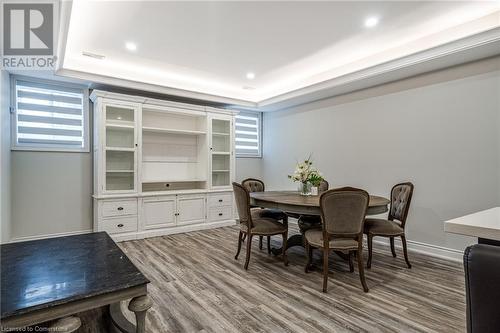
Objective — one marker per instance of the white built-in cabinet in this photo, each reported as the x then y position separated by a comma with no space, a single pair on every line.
160,167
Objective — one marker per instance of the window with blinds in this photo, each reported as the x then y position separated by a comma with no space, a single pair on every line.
49,116
248,134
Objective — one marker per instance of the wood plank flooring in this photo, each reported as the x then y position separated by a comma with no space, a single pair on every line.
197,286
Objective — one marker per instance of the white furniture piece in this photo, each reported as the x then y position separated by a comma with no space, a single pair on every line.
485,225
160,167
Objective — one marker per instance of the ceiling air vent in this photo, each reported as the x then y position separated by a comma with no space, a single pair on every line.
93,55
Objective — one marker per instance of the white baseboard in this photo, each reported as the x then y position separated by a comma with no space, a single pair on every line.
172,230
425,248
413,246
419,247
135,235
59,234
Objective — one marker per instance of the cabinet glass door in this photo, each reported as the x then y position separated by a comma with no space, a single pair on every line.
120,148
221,152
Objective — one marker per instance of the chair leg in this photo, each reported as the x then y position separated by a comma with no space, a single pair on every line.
370,250
249,249
240,236
308,249
393,250
268,244
351,265
325,270
260,242
285,240
405,250
361,270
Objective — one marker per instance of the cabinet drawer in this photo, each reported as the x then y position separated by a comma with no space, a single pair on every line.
119,225
119,207
221,213
220,200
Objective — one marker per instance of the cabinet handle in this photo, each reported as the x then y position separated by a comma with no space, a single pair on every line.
220,200
220,214
120,208
120,225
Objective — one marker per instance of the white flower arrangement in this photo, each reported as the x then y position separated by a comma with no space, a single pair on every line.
305,172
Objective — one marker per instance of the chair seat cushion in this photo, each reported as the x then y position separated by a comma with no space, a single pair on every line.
307,222
265,226
270,213
383,227
315,238
273,213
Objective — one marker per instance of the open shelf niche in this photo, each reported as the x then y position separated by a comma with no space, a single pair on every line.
174,147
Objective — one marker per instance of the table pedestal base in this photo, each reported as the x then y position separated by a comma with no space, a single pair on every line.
294,240
298,240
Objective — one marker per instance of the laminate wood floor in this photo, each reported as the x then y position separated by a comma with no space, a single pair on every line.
198,286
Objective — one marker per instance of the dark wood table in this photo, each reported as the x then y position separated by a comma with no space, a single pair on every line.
294,202
56,278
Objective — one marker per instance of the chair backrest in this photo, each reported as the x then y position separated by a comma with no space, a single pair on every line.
323,186
482,271
242,198
400,202
253,185
343,211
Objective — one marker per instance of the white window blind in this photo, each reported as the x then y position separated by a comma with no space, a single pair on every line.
248,134
49,116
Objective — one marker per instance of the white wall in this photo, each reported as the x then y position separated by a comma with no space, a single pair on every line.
247,167
5,168
440,131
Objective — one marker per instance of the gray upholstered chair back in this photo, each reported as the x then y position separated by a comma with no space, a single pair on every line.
242,198
400,202
253,185
343,210
323,186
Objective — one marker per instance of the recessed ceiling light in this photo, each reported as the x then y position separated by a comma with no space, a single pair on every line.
131,46
371,22
250,75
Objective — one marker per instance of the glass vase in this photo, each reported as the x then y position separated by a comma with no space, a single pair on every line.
305,188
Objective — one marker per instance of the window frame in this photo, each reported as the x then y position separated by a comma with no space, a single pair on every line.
259,134
48,147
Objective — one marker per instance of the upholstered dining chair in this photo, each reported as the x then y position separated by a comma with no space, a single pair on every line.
254,224
394,226
306,222
257,185
343,213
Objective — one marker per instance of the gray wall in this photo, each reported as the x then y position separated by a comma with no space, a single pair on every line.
5,169
51,193
248,167
439,131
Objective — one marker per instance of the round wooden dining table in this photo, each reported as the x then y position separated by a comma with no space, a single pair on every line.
295,203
